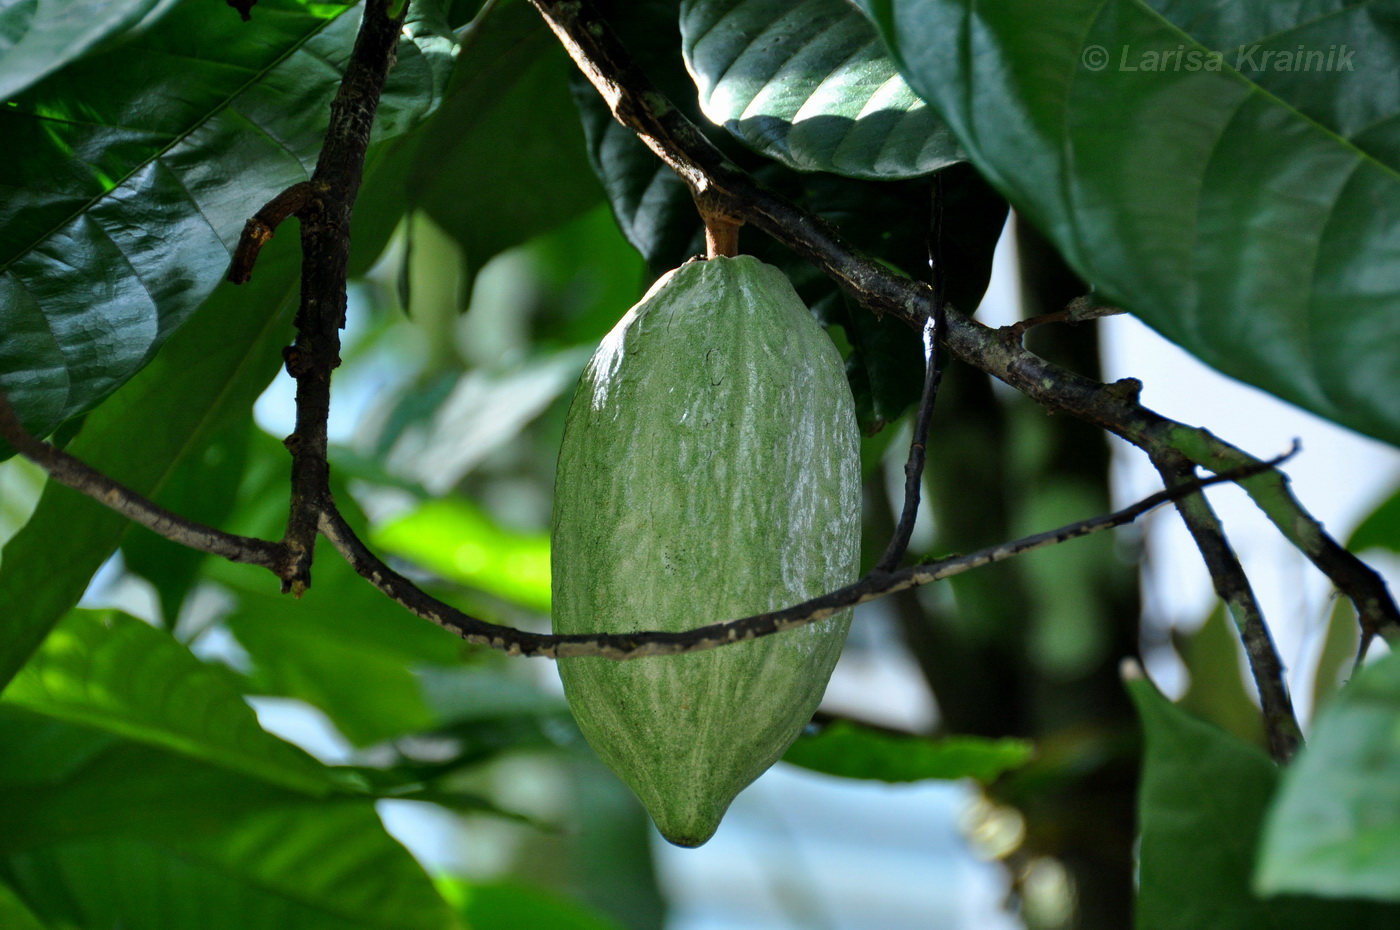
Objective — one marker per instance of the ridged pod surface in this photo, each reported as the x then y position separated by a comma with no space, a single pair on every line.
710,470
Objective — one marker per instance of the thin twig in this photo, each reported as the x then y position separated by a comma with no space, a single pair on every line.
1080,310
69,471
636,103
933,376
261,226
1231,583
323,205
621,646
918,452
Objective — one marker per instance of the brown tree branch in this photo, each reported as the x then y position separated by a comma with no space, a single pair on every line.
1231,583
261,226
876,584
69,471
324,205
636,103
918,452
933,376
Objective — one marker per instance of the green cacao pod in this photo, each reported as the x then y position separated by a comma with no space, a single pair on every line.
710,470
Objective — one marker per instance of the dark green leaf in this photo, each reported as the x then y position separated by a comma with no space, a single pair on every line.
974,216
889,220
203,380
37,37
1335,827
111,672
810,84
860,752
512,906
504,160
1380,529
1245,204
129,175
1202,799
653,206
203,489
1200,813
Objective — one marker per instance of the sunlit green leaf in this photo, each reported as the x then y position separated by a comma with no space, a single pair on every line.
859,752
1227,172
63,782
459,541
1337,657
1335,827
13,913
112,672
510,906
811,85
105,832
329,867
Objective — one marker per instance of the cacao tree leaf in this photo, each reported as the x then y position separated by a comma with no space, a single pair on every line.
652,205
511,905
102,831
852,751
811,85
457,540
37,37
204,378
112,672
14,914
65,782
504,160
203,489
1335,827
128,177
1227,173
328,867
1380,529
1202,799
1337,658
1216,692
1201,808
